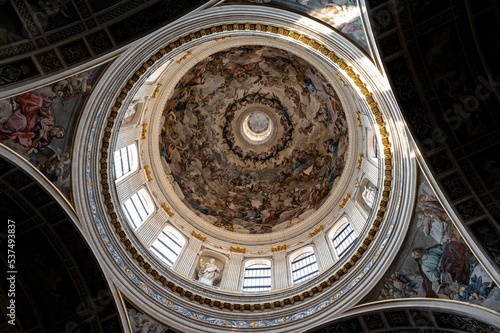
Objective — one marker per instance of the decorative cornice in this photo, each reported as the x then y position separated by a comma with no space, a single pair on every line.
214,30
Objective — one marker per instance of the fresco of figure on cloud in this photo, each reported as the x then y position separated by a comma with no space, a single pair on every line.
141,323
436,261
6,110
254,180
32,123
436,226
343,15
39,124
436,223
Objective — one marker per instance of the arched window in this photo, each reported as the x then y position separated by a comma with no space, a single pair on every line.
257,276
304,265
168,245
372,145
343,239
138,207
126,161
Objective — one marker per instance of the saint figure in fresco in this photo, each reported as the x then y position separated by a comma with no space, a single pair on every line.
443,264
31,123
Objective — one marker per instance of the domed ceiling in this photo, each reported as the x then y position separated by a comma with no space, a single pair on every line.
255,137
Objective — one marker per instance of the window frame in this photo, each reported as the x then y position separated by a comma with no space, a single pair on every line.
180,242
129,154
351,235
256,288
299,256
143,198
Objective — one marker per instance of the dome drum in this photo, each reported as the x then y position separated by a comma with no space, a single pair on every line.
320,145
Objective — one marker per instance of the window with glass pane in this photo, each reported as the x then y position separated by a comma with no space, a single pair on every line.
138,207
168,245
125,161
304,267
343,239
257,278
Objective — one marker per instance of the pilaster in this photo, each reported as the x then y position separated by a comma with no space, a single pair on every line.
355,217
188,258
130,185
279,269
148,231
231,279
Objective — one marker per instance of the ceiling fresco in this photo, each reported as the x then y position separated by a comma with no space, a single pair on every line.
39,125
343,15
445,75
142,323
436,262
228,175
42,38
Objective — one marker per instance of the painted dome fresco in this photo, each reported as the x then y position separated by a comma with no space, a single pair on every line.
255,137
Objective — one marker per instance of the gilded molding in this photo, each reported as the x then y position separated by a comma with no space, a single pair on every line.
278,248
341,79
157,89
358,116
348,70
149,175
344,201
167,209
237,249
184,57
144,131
316,231
198,236
360,161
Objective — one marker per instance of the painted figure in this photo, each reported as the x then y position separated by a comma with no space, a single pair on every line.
31,124
443,264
